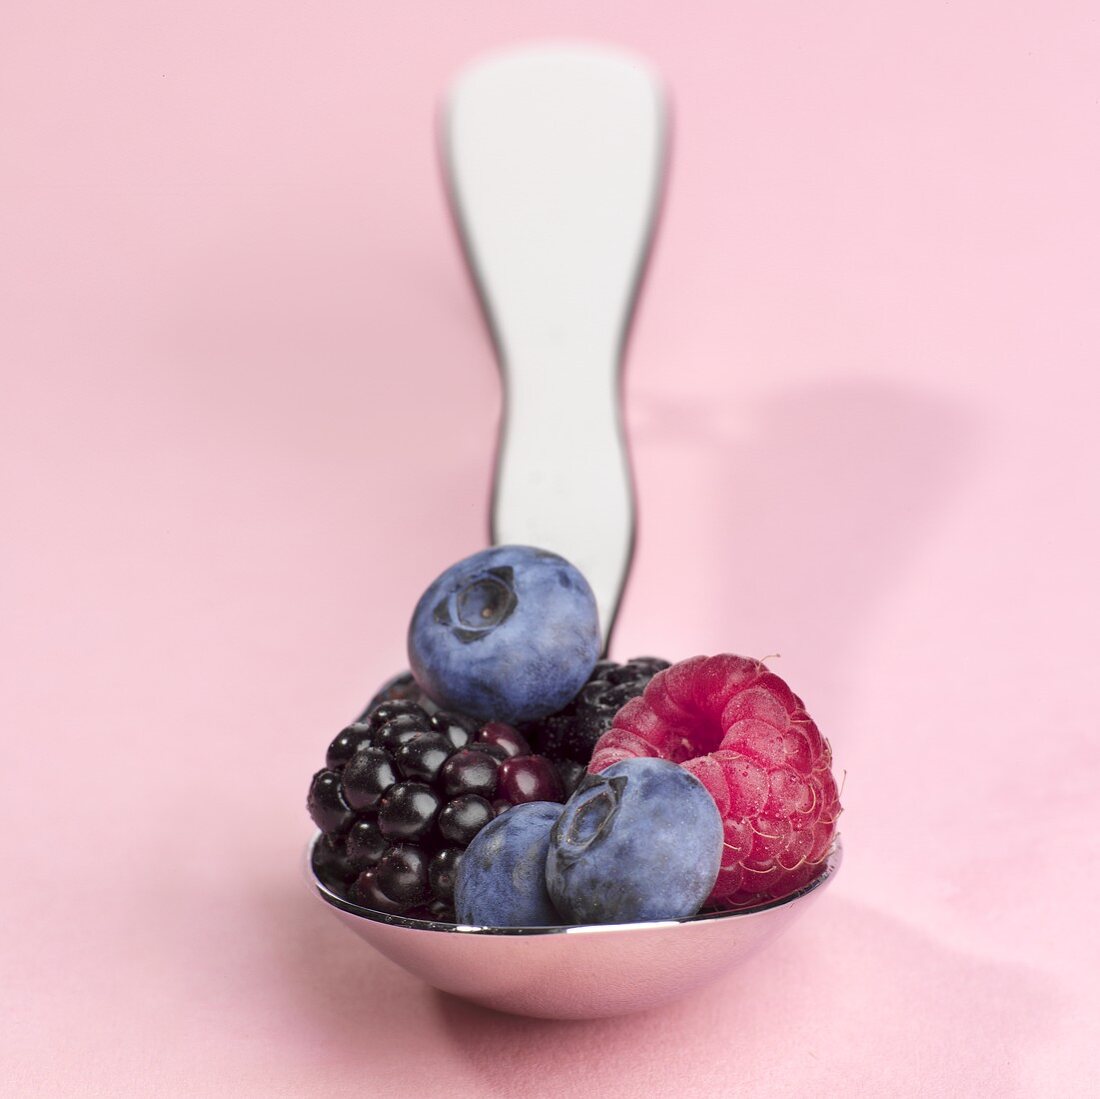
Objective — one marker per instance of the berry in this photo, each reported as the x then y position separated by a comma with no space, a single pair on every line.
504,737
388,709
570,772
641,841
747,737
365,844
423,756
508,634
366,891
551,734
463,817
572,732
331,863
400,730
402,687
393,802
470,771
402,875
529,778
367,776
442,871
326,804
495,750
459,730
435,911
407,812
346,743
501,878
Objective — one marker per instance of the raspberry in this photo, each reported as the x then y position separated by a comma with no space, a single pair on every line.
746,736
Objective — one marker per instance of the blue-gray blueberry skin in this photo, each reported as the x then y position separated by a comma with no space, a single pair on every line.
502,876
639,841
508,634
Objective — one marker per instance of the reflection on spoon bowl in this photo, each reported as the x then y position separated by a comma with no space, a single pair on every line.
574,972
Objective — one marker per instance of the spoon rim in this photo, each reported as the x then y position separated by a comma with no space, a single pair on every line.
830,866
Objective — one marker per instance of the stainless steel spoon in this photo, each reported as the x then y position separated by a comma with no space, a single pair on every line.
555,159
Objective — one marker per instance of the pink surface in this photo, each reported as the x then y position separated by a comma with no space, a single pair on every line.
250,411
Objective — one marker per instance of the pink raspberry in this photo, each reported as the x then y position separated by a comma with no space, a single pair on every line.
747,737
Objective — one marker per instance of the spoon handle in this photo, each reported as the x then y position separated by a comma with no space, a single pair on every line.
555,161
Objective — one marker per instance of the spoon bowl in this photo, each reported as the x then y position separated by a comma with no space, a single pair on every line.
582,972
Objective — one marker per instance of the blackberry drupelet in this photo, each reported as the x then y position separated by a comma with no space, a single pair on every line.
403,687
572,732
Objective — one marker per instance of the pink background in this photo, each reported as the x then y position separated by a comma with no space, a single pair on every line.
250,412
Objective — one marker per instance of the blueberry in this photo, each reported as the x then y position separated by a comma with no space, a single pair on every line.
640,841
501,878
510,633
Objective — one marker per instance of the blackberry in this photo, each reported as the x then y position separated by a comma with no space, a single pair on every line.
399,730
402,875
529,778
458,729
572,732
422,757
365,844
366,891
344,745
402,687
505,737
407,812
368,775
470,771
463,817
405,789
435,911
571,773
333,865
327,805
442,871
551,733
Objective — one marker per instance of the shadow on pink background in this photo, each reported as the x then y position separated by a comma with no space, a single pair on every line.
249,413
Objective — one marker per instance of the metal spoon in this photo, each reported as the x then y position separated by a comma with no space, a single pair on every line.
555,160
